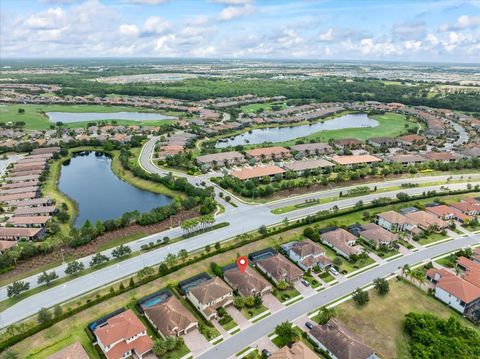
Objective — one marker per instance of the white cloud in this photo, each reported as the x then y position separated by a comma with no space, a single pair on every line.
157,25
232,12
46,20
231,2
463,22
146,2
129,30
327,36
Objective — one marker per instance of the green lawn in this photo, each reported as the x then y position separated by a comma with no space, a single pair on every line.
35,118
253,312
380,322
432,238
287,294
326,277
267,106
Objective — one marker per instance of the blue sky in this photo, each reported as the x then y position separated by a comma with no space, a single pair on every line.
445,31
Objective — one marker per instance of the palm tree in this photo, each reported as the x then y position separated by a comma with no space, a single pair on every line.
171,343
171,260
183,255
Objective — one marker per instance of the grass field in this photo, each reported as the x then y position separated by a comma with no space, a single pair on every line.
380,322
267,106
35,118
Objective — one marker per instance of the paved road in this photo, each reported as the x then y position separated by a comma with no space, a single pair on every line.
262,328
241,220
11,158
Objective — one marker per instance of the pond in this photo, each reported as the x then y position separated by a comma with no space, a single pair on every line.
100,195
279,134
68,117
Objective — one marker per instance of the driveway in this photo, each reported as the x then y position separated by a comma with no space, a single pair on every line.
196,342
300,322
238,317
305,291
376,258
272,303
404,250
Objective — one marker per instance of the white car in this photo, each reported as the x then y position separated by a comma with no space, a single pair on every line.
334,271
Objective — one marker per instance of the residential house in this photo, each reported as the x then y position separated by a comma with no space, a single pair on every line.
122,336
383,141
209,296
470,269
340,343
312,149
466,208
307,254
410,140
297,350
347,143
246,283
377,236
476,255
28,221
13,233
342,242
396,222
426,221
447,213
269,153
36,211
350,161
258,172
278,269
299,167
444,157
171,318
221,159
407,159
4,245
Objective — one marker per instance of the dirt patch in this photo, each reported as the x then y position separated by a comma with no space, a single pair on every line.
31,264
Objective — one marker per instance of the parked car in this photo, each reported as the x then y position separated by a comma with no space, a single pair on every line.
305,283
334,271
266,353
309,325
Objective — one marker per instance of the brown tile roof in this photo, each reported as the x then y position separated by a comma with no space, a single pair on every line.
395,217
268,151
18,196
5,192
459,288
339,238
220,157
426,220
307,248
255,172
464,206
7,244
352,160
74,351
440,156
411,138
443,211
210,290
407,158
347,142
8,232
34,210
170,316
280,268
24,220
246,283
312,147
122,326
377,234
339,340
307,165
297,351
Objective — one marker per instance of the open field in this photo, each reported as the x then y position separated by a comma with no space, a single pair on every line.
36,119
380,322
267,106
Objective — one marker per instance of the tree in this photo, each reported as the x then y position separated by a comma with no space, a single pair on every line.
239,302
217,246
98,259
73,268
63,216
250,301
287,332
360,296
171,343
263,230
10,354
57,311
382,286
170,260
159,348
16,288
326,314
121,251
47,278
282,285
44,316
183,255
145,272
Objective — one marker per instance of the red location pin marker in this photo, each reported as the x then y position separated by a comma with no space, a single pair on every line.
242,263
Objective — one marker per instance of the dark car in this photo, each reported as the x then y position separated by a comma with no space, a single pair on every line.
266,353
309,325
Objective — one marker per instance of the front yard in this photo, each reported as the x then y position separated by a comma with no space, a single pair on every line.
284,295
253,312
432,238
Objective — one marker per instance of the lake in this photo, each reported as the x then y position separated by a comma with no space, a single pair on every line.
279,134
68,117
100,195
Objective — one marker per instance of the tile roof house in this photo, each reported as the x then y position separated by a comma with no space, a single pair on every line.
297,351
268,153
4,245
307,254
378,236
476,255
247,283
73,351
347,142
342,242
312,149
301,166
396,222
444,157
407,159
171,318
122,336
35,211
257,172
471,270
425,220
349,161
209,296
278,268
457,292
409,140
221,159
340,342
29,221
466,208
447,213
383,141
13,233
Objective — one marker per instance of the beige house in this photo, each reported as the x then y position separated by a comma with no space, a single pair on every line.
247,283
209,296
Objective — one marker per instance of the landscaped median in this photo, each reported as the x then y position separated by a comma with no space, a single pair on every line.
77,314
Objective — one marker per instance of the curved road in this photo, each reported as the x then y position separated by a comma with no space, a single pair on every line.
243,218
